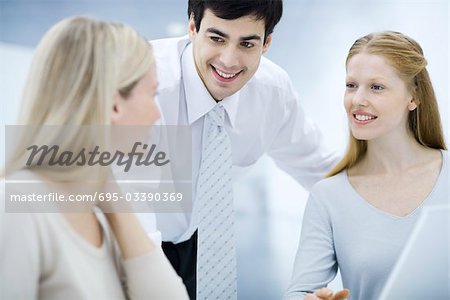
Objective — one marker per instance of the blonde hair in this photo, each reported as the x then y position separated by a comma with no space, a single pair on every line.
406,56
78,68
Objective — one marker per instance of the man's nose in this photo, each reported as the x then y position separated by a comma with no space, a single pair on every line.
230,58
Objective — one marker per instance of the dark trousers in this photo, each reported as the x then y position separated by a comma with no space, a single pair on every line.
183,257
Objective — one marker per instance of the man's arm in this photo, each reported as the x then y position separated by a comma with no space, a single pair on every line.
299,148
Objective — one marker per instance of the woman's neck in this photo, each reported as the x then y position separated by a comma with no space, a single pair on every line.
393,155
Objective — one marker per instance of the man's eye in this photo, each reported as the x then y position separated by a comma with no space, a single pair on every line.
247,45
350,85
216,39
377,87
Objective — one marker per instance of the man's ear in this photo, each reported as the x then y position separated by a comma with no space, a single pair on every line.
191,27
116,113
267,43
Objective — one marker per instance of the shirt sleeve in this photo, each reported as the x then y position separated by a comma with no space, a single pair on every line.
298,148
19,256
315,264
151,276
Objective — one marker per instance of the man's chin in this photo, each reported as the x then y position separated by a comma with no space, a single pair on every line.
221,96
228,91
218,93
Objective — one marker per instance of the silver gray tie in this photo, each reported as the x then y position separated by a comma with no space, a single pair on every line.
216,253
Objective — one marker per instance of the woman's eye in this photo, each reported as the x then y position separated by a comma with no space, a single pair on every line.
350,85
377,87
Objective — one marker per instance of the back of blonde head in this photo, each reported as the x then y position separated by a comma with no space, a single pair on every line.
406,56
78,68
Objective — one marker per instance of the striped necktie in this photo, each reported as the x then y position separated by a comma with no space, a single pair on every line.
216,253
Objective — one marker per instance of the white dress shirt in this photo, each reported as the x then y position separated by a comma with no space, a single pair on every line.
265,116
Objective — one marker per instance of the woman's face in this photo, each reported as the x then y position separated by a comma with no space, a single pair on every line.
139,108
376,99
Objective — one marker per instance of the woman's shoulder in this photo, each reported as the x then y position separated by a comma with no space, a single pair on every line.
333,183
445,156
21,208
331,190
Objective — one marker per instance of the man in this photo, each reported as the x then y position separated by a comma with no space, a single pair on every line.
218,73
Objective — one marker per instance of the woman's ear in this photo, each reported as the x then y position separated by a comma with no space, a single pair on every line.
116,114
412,105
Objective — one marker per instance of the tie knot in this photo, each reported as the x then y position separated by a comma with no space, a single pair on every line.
217,115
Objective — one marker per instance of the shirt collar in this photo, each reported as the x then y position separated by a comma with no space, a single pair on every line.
198,100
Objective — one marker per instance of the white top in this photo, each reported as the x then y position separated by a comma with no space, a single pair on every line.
265,116
42,257
341,229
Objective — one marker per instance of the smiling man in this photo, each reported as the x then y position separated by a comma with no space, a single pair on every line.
239,106
227,53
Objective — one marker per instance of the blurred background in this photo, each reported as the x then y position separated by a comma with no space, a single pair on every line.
310,42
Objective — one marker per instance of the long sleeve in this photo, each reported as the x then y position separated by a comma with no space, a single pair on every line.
151,276
315,264
19,257
298,147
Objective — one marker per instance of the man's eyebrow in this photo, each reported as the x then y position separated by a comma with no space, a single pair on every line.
251,37
224,35
218,32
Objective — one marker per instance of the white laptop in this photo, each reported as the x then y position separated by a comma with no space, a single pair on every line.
422,271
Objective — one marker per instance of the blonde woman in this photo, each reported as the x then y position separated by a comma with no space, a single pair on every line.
85,72
359,218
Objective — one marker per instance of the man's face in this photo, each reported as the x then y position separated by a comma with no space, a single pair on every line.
227,52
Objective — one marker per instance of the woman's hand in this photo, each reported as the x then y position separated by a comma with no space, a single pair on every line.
131,236
327,294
